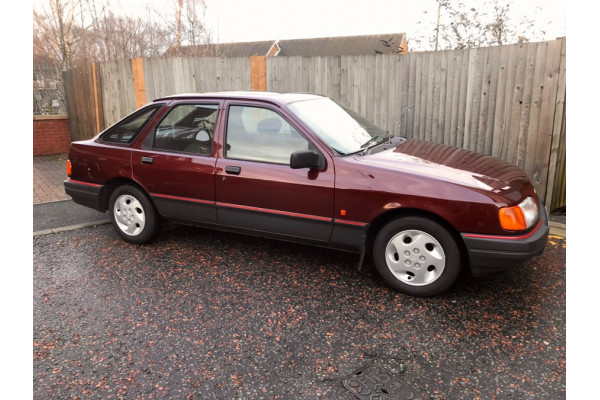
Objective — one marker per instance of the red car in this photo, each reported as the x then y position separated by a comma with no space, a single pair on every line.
303,168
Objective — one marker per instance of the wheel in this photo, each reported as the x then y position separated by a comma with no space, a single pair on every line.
417,256
132,215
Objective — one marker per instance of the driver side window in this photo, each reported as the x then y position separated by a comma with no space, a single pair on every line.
187,128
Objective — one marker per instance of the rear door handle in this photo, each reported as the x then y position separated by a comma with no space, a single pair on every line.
147,160
233,170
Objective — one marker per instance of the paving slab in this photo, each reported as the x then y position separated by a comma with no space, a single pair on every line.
49,172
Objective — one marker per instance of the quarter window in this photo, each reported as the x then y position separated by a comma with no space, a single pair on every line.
126,130
260,134
187,128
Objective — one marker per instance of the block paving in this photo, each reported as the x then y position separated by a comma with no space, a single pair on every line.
49,172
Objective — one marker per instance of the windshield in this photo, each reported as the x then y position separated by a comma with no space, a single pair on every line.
342,129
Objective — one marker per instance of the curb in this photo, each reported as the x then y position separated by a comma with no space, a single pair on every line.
70,227
558,229
52,201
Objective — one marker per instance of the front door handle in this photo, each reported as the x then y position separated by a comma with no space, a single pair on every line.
147,160
233,170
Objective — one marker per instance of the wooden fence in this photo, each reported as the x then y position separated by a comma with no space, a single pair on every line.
506,101
100,94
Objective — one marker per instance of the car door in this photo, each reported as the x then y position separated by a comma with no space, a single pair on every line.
256,188
176,162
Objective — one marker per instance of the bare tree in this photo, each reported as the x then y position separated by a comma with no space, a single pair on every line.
55,31
111,37
194,30
73,32
98,42
483,23
188,26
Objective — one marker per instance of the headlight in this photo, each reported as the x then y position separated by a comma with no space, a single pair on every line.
521,217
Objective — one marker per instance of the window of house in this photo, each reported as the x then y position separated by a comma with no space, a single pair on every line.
260,134
187,128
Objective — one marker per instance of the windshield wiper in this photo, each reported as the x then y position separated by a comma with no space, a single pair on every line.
374,142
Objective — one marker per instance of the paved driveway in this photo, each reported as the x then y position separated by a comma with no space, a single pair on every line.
202,314
49,172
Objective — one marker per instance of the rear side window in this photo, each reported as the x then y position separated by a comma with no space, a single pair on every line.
126,130
187,128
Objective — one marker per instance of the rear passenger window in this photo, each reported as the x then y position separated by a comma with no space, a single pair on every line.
260,134
187,128
126,130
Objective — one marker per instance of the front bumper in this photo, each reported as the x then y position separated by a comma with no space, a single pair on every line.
85,193
492,253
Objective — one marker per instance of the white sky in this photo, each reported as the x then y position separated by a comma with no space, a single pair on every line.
250,20
232,20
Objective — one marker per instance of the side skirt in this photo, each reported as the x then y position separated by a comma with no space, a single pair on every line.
268,235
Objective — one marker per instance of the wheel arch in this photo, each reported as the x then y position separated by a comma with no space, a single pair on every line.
397,213
113,183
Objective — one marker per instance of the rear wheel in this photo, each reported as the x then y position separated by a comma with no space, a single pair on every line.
417,256
132,215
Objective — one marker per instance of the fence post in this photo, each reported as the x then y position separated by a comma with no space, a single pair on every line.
258,73
96,102
139,84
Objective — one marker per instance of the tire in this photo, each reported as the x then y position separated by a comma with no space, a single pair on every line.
416,256
132,215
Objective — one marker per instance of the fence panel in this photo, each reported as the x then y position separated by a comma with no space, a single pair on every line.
81,106
117,86
502,101
505,101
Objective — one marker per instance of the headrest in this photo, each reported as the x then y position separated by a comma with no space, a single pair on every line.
202,136
269,125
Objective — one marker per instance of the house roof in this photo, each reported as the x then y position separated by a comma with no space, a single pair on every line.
241,49
327,46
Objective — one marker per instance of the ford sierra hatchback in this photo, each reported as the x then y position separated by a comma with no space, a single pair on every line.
303,168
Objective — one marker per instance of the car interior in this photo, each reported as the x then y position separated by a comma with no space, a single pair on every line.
257,134
191,133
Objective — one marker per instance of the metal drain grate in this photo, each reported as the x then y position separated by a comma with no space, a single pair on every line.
373,382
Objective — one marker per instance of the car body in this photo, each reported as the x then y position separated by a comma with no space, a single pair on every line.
300,167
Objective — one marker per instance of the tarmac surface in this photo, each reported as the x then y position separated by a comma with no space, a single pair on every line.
65,213
200,314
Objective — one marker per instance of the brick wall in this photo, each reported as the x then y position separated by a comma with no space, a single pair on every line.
50,135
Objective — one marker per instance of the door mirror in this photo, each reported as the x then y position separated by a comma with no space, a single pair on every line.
307,159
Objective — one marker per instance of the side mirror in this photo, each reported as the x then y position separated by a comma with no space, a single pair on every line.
307,159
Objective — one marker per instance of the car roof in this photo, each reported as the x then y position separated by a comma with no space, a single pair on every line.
245,95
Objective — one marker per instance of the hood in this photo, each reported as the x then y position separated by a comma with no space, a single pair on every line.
448,163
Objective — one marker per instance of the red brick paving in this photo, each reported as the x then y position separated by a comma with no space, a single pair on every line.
49,172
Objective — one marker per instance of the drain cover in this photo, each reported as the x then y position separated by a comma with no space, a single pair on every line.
373,382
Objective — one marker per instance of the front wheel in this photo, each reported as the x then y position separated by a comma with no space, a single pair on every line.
132,215
417,256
